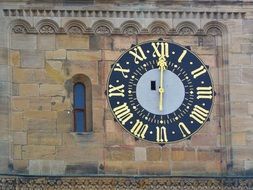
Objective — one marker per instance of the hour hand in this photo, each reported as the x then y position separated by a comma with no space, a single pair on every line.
162,65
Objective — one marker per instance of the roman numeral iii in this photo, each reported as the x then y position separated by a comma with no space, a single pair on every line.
204,92
199,114
123,114
199,71
161,134
139,129
138,54
161,49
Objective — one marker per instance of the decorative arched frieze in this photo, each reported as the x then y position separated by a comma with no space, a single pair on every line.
158,27
102,27
75,27
21,26
47,26
186,28
130,28
215,28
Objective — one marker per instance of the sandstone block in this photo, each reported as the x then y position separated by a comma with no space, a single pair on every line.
35,167
82,168
44,152
84,55
3,56
57,54
241,92
98,42
20,138
4,148
153,154
247,76
29,90
44,138
204,139
177,155
50,115
110,55
130,168
188,168
120,154
53,70
250,108
4,163
239,108
207,155
154,168
165,153
140,154
113,167
24,41
209,60
239,139
123,42
64,117
5,104
5,73
32,59
17,153
241,124
20,166
15,58
5,89
19,103
23,75
60,104
235,75
113,138
17,122
40,124
243,153
76,154
46,42
40,103
51,90
72,42
239,59
247,48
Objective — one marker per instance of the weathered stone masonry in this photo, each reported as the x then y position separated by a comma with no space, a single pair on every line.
42,49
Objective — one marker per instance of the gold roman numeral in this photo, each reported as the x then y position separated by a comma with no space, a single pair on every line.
199,114
184,130
138,54
161,134
116,90
120,69
199,71
204,92
182,56
161,49
123,113
139,129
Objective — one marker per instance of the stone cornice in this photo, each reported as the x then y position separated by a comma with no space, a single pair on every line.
121,183
116,13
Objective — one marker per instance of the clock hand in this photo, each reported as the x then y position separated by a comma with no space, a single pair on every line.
162,65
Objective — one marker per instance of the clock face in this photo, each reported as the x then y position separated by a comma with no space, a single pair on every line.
160,92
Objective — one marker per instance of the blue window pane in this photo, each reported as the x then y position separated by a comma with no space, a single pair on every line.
80,121
79,93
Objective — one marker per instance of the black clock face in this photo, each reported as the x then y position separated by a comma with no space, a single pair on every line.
160,92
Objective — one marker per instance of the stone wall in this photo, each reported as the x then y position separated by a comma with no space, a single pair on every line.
42,49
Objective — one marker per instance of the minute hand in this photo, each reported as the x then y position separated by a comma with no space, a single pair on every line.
162,65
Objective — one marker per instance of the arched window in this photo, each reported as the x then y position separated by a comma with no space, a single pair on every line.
79,107
82,103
